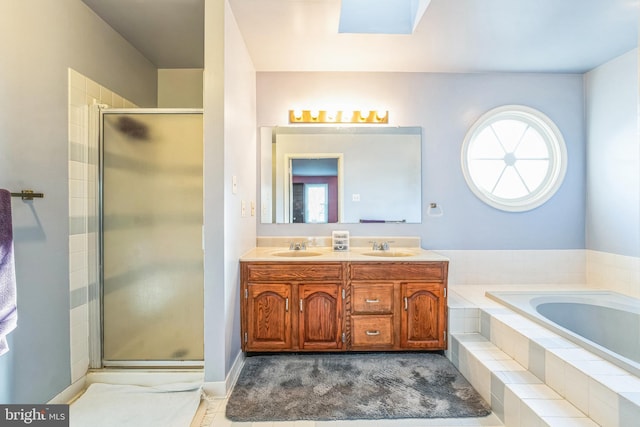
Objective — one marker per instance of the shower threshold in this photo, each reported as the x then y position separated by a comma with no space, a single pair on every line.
144,377
154,364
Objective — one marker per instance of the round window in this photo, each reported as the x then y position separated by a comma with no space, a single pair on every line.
514,158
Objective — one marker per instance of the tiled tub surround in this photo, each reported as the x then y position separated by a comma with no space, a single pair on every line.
532,376
516,267
614,272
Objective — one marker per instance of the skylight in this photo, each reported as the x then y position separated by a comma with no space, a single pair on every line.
381,16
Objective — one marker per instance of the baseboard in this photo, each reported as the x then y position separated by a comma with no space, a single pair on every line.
223,388
234,372
70,393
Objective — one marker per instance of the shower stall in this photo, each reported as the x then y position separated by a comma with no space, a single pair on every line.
150,228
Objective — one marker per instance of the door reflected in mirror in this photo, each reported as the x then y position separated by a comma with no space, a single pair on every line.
341,174
314,189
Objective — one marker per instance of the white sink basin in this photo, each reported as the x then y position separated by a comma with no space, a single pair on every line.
300,253
390,253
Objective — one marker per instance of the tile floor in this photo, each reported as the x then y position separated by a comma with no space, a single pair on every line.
215,417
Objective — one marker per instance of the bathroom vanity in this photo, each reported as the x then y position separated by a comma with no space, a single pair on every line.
319,300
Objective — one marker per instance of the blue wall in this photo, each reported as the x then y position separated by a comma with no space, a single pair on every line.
445,106
613,157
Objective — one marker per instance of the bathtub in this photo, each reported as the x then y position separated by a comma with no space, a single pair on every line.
603,322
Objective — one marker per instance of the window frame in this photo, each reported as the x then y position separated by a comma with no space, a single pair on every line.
554,141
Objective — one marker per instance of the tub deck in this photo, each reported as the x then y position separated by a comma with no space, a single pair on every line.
531,374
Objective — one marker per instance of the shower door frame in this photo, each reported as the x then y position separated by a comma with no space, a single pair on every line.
96,311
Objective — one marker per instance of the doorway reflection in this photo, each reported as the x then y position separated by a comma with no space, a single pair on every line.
314,190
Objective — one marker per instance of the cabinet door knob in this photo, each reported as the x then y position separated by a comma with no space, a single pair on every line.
372,333
300,305
286,304
406,303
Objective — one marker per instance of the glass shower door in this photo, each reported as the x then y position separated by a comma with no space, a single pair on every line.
152,258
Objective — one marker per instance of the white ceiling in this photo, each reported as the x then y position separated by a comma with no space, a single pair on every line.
453,35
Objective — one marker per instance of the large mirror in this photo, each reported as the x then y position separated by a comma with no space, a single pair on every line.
341,174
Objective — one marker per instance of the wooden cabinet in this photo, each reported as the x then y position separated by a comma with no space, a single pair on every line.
292,307
335,306
397,306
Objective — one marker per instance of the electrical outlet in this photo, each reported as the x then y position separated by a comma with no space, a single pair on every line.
234,184
355,197
253,208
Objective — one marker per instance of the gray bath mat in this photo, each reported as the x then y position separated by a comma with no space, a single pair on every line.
348,386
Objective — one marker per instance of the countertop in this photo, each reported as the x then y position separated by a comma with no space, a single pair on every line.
326,254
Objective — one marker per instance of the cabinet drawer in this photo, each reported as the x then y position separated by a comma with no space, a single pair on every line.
299,271
371,298
423,271
372,331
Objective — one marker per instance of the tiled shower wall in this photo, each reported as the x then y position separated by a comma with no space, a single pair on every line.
83,214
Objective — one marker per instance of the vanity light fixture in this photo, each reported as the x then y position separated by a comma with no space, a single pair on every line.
346,116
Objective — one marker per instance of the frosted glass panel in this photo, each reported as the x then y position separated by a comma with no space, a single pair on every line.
152,237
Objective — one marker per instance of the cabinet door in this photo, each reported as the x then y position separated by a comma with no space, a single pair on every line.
423,316
268,317
320,317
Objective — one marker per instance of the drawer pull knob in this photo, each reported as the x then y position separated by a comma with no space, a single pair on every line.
372,333
372,301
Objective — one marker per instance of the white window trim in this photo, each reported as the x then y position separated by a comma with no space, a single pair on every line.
558,154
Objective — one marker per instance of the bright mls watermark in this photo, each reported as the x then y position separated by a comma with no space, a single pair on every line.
34,415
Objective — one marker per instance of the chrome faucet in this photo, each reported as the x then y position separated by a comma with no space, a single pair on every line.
384,246
298,246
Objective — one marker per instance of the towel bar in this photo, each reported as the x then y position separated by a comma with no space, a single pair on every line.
27,195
